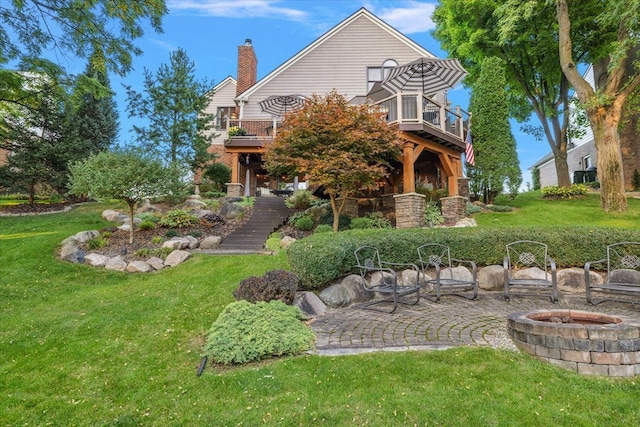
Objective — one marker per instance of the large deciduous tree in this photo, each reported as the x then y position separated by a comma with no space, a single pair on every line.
605,104
474,30
496,160
124,175
173,103
339,146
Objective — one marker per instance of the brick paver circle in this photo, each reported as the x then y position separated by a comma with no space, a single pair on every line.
451,322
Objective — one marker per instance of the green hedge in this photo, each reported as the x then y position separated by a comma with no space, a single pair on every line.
324,257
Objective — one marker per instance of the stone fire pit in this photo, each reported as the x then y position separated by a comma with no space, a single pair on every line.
585,342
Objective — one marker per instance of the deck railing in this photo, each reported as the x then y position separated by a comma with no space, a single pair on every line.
252,128
419,108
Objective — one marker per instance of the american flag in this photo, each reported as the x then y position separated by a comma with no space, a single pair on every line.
468,151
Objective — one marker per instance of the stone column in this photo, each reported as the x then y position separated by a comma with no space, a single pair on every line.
463,188
454,208
234,189
410,210
388,201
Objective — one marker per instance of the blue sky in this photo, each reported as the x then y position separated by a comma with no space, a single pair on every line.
211,30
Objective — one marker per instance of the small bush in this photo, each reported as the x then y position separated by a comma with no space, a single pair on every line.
97,243
215,194
157,240
107,234
344,222
246,332
147,225
178,218
432,215
305,223
565,192
471,209
300,199
171,233
278,285
148,216
323,228
151,252
499,208
361,223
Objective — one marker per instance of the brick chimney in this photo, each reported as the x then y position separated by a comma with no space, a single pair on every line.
247,67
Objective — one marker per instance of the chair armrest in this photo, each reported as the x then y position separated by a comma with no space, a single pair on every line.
404,264
465,261
588,264
551,262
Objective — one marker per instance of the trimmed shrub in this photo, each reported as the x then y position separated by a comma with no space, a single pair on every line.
323,228
148,216
278,285
300,199
304,223
361,223
147,225
372,220
178,218
324,257
565,192
344,222
471,209
246,332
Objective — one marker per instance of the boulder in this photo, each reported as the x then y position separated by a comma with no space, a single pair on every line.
148,207
191,204
110,215
116,263
202,213
194,197
354,284
190,241
572,279
174,243
231,210
336,296
85,236
210,242
410,277
457,273
624,275
309,304
124,227
466,222
286,242
491,278
70,252
138,267
176,257
529,273
96,260
210,219
156,263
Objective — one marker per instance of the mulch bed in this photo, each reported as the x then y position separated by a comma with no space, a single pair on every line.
35,208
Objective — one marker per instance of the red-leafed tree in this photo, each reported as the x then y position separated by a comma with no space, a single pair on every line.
340,146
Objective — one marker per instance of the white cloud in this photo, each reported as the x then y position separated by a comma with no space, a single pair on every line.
237,8
164,45
414,17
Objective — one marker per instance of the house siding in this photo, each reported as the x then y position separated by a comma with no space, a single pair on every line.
223,96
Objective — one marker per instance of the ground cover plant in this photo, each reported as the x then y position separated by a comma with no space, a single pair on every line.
86,346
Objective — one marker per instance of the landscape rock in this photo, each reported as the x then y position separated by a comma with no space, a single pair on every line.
211,219
70,252
148,207
530,273
177,257
355,286
138,267
124,227
190,241
624,276
96,260
466,222
210,242
156,263
174,243
336,296
286,241
231,210
200,213
85,236
491,278
110,215
190,204
310,304
116,263
572,279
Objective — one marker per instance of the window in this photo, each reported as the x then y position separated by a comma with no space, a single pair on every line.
586,162
377,74
223,114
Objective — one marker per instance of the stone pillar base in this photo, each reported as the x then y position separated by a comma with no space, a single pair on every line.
463,187
454,208
350,208
234,189
410,209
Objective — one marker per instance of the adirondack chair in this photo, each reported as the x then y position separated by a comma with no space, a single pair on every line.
438,257
622,266
525,254
368,262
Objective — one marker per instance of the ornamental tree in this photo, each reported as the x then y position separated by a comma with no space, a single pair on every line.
125,175
339,146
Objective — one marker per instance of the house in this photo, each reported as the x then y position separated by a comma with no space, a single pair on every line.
352,58
581,151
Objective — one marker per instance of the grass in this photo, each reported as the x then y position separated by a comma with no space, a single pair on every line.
534,210
86,346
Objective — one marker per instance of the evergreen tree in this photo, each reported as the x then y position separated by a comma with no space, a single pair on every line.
173,102
496,160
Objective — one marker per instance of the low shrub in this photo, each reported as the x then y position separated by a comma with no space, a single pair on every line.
471,208
97,242
215,194
499,208
433,214
156,240
565,192
370,221
361,223
344,222
246,332
300,199
148,216
304,223
171,233
151,252
323,257
323,228
278,285
147,225
178,218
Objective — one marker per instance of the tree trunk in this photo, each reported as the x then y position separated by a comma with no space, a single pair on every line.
604,123
131,206
562,168
337,209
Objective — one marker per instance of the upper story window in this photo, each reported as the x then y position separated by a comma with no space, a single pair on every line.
586,162
377,74
223,114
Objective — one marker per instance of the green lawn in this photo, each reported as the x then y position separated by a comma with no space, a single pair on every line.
88,347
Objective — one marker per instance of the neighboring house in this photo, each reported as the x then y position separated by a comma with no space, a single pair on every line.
351,58
582,155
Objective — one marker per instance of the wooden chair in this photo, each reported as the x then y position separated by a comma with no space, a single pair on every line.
368,262
437,256
527,254
622,266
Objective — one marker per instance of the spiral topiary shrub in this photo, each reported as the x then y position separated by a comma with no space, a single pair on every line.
246,332
278,285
